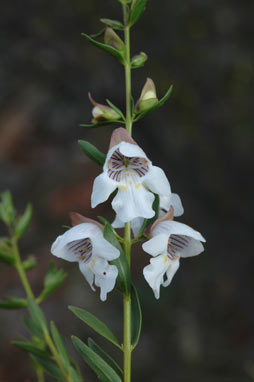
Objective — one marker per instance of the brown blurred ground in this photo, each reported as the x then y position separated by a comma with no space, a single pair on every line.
202,327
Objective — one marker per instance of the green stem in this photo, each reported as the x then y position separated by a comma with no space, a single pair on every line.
127,68
20,269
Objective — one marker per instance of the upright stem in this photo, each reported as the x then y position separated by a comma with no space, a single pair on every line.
127,348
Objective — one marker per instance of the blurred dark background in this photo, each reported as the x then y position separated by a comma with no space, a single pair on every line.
202,327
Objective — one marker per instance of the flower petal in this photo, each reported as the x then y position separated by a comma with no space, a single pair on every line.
156,245
105,276
130,150
102,248
102,188
154,272
133,201
157,181
174,200
87,272
81,231
185,241
173,267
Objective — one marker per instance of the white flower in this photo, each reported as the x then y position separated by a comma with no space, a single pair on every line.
166,202
84,243
170,241
128,169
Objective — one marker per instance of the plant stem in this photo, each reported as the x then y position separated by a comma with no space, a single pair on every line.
127,68
20,269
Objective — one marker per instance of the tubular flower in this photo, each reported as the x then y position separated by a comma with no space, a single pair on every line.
166,202
170,241
128,170
84,243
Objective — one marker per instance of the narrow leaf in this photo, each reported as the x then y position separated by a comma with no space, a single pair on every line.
98,350
117,110
101,123
92,152
107,48
114,24
31,349
123,278
23,221
13,303
136,317
136,11
60,345
156,105
49,367
33,327
7,259
96,324
29,263
37,315
104,372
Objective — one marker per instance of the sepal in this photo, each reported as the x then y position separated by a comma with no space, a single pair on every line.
139,60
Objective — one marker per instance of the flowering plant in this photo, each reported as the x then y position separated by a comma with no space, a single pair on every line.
144,207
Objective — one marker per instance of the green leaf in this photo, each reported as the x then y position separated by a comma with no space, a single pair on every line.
98,350
7,210
75,376
29,263
101,123
53,279
30,348
49,367
33,327
156,105
104,372
123,278
118,111
136,317
92,152
23,221
96,324
114,24
60,345
13,303
7,259
137,9
37,315
107,48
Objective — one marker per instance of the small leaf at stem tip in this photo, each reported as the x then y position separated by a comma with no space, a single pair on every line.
13,303
155,106
7,210
92,152
53,279
7,259
23,221
31,348
60,345
114,24
107,48
109,360
136,11
123,278
104,372
97,325
29,263
136,317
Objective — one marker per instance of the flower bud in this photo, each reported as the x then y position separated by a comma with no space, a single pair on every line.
112,39
138,60
102,112
148,96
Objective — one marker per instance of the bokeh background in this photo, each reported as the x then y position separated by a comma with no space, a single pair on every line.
202,327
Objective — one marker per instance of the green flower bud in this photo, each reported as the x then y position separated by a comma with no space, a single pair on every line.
138,60
102,112
148,96
112,39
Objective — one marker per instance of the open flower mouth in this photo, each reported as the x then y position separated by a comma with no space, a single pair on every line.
122,168
82,249
177,243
